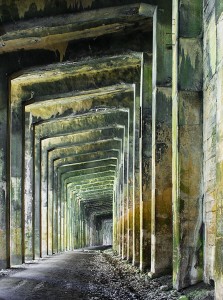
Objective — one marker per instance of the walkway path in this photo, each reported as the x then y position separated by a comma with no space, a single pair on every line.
84,275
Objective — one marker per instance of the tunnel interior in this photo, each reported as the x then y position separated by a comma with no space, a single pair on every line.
74,131
111,132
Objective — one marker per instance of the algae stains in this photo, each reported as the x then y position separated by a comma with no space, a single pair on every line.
61,48
146,231
16,91
24,6
190,198
219,257
79,3
3,246
191,59
191,17
89,78
74,105
163,125
136,228
47,110
190,108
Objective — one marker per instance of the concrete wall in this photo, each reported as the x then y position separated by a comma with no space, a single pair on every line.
213,95
210,118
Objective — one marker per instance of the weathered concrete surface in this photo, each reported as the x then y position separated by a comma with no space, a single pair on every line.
161,80
20,12
141,189
55,34
55,129
187,143
10,67
210,143
213,56
161,213
219,178
22,85
146,166
66,140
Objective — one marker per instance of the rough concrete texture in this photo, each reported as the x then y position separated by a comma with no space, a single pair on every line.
212,142
187,134
111,133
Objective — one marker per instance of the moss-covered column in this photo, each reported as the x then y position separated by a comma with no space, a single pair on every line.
4,210
28,188
16,184
161,207
53,128
219,157
187,143
72,224
137,178
161,256
68,224
146,165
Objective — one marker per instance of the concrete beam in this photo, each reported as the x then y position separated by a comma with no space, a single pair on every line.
49,33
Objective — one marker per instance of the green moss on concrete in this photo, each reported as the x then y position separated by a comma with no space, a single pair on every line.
191,18
191,64
164,48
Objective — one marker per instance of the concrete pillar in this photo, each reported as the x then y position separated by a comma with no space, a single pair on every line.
161,214
28,188
9,65
146,165
50,143
187,143
161,252
4,212
68,125
209,136
219,157
137,177
15,184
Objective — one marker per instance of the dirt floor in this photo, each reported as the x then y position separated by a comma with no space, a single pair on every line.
91,275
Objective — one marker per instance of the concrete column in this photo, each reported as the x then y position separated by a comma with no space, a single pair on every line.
137,177
16,185
187,143
9,65
4,212
209,135
161,206
28,190
146,165
219,157
114,216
